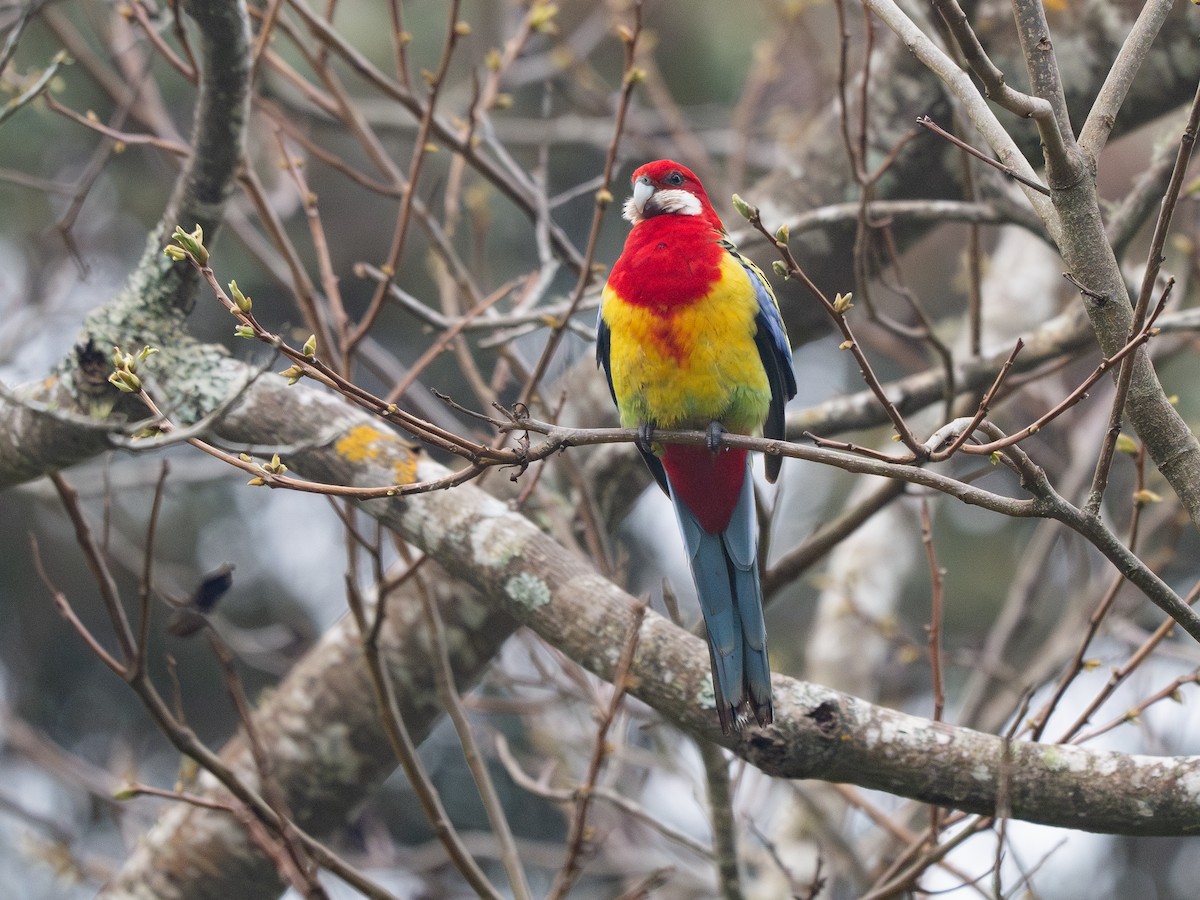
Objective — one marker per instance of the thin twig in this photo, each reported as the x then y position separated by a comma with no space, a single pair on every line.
1120,674
849,342
1076,666
1154,262
635,811
724,827
452,702
100,573
935,640
406,753
577,838
145,585
421,148
1170,692
171,726
926,122
604,197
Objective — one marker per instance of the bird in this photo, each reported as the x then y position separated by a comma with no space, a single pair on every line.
690,336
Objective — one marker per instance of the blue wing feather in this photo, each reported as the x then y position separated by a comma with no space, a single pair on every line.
775,351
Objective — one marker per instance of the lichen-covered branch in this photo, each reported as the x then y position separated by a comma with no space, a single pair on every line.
58,421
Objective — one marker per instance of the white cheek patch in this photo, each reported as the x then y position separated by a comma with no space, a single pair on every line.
645,203
681,203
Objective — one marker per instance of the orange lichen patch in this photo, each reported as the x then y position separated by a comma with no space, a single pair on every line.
362,443
366,443
404,467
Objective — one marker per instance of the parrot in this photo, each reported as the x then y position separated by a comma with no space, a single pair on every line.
690,336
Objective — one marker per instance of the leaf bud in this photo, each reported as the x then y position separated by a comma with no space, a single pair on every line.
293,374
240,300
744,209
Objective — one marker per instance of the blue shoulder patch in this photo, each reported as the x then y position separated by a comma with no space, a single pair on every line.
775,351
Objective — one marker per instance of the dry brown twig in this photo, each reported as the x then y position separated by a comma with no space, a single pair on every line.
135,674
578,838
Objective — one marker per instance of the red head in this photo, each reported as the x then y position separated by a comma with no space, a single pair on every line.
665,187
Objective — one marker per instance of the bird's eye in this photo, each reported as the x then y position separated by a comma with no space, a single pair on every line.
675,178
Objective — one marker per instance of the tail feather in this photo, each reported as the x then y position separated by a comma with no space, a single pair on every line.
725,568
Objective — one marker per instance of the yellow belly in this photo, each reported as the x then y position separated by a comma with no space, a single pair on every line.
696,365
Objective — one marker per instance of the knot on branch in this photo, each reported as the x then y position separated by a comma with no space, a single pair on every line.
826,716
515,418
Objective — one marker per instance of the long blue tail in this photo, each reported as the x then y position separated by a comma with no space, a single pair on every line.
725,569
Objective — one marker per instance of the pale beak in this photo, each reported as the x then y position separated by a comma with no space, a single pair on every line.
635,206
642,189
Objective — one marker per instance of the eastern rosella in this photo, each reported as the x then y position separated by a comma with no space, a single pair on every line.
690,337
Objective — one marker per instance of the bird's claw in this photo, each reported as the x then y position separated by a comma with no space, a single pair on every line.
645,437
714,432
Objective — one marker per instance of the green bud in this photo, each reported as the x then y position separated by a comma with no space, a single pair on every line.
310,346
244,331
744,209
193,243
240,300
125,381
293,374
781,234
779,267
541,17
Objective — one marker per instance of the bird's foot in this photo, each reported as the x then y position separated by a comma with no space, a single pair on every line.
714,432
645,437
